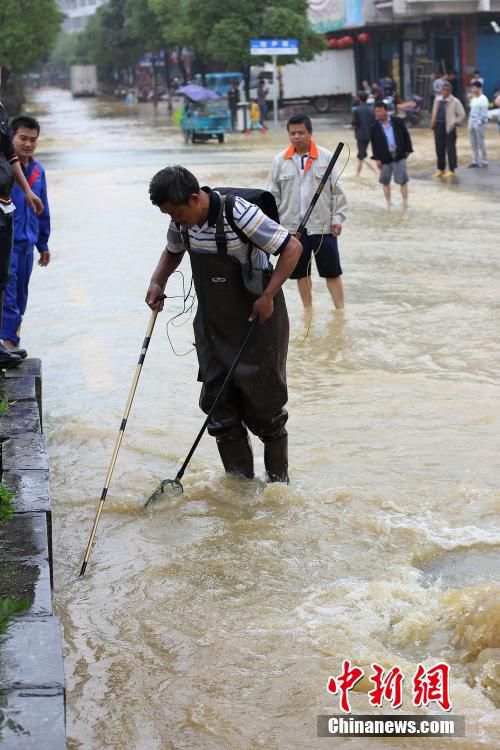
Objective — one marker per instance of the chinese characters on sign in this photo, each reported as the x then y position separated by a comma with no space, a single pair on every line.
428,686
274,47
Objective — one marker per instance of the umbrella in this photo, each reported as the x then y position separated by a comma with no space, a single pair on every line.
197,93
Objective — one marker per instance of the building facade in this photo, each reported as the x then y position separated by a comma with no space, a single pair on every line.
77,12
411,39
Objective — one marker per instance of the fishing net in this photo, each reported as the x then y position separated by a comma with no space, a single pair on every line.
168,488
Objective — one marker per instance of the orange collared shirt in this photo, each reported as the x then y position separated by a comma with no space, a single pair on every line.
313,154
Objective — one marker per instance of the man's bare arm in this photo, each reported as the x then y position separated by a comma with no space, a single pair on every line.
166,266
288,259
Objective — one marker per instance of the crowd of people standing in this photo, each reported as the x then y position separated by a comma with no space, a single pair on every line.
375,122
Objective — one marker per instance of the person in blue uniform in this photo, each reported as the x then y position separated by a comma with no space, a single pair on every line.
30,231
10,171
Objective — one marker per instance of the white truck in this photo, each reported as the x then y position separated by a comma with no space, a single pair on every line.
318,82
83,80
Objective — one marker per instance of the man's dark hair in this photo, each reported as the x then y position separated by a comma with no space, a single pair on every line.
380,103
24,121
363,96
477,83
174,185
300,120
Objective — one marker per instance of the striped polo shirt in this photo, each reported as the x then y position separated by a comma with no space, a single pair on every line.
265,234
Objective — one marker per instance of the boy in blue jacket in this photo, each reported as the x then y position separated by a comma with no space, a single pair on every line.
30,231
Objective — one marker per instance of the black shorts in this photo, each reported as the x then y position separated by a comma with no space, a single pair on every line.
327,258
362,149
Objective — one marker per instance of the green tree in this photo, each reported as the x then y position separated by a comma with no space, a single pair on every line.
141,23
172,17
221,32
229,40
28,31
108,41
70,49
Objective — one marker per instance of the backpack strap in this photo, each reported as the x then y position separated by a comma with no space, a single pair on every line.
230,201
220,235
185,236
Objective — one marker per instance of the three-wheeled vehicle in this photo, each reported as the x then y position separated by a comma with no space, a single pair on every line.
206,115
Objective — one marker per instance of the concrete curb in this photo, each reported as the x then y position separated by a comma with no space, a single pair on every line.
32,695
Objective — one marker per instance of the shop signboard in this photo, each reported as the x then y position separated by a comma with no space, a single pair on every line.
327,15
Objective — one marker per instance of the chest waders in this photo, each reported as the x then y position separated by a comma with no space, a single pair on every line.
256,396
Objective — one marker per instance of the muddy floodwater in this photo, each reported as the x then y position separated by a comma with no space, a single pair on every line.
214,621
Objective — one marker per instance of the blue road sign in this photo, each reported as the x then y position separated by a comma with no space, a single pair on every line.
274,47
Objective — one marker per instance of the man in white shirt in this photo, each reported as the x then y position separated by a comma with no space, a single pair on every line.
295,174
478,117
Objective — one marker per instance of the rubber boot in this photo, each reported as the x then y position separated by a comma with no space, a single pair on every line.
237,456
276,460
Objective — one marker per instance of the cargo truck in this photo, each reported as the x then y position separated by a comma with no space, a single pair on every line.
319,81
83,80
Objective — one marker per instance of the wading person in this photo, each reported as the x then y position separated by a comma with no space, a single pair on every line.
10,170
30,231
294,177
447,113
233,98
262,93
391,145
362,120
478,118
224,268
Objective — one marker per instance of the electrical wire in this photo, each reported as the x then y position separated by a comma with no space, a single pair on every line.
186,309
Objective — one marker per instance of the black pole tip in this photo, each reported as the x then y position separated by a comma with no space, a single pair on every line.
82,572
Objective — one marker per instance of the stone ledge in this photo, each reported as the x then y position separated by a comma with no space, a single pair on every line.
20,418
23,452
23,536
29,580
32,697
23,379
20,389
32,719
29,366
24,562
32,654
30,488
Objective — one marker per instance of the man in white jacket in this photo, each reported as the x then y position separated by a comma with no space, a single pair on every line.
447,113
478,119
295,174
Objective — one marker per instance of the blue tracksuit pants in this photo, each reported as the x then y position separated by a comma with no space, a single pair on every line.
15,297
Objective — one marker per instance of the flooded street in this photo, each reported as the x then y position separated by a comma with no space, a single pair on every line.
214,621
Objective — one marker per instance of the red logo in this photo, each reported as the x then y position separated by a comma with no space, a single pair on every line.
428,686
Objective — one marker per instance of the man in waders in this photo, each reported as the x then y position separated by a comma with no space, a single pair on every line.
225,271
